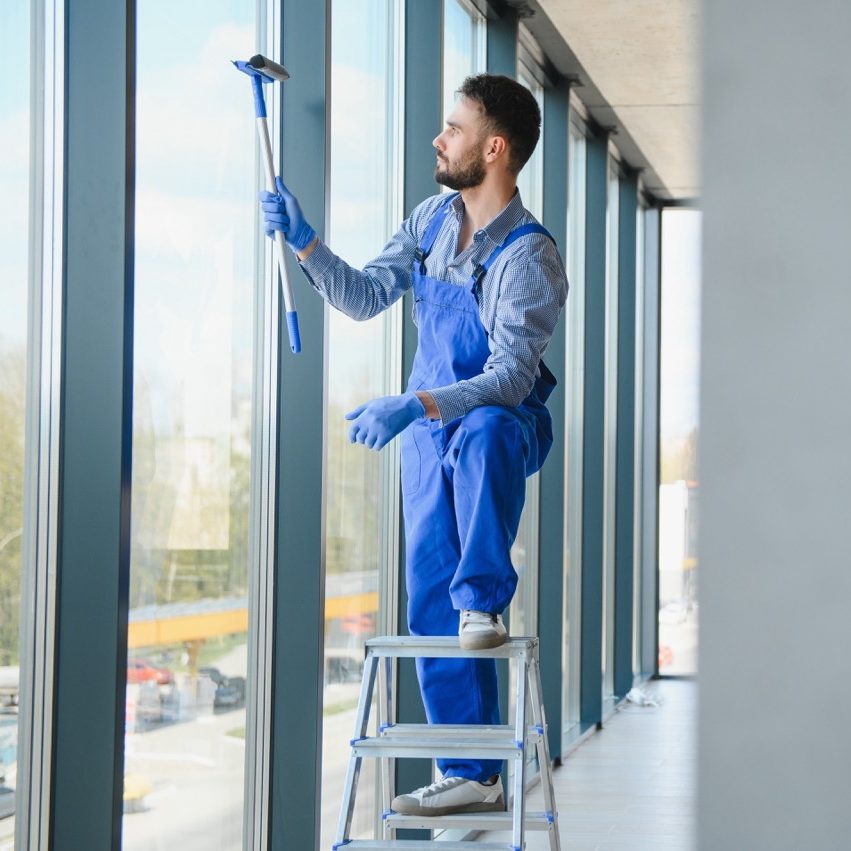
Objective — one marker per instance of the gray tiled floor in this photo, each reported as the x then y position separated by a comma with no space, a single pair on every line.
631,786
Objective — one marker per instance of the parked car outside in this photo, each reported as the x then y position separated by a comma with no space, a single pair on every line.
142,671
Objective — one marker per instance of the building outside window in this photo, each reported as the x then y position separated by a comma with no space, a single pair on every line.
364,362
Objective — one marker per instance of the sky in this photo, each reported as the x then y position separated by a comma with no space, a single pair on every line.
14,169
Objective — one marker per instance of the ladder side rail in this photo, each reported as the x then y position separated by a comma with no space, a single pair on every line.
519,796
353,772
385,717
545,765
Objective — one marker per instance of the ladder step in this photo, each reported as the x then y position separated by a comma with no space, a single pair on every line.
468,821
421,845
403,746
439,646
461,732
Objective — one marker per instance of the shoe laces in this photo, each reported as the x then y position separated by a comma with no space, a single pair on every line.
441,785
472,616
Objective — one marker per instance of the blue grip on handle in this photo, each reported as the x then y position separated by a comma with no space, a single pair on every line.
259,100
292,328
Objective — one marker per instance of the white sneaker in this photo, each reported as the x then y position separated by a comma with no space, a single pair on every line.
480,630
451,795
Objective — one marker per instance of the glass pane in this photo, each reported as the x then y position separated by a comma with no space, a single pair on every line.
365,207
640,471
14,247
678,441
574,400
523,618
463,48
530,181
195,282
611,420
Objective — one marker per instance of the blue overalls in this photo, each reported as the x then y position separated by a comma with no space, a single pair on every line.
463,486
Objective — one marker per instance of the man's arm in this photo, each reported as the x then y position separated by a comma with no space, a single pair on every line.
532,291
360,294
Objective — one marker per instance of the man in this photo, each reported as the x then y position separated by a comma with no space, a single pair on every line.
488,289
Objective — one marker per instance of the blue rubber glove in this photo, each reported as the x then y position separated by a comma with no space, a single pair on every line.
282,212
376,423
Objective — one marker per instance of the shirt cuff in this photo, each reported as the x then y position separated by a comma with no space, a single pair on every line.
450,402
320,261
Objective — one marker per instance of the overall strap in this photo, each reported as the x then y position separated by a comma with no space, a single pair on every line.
433,229
481,269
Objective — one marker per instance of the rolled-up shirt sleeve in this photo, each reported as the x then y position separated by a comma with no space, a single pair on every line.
532,291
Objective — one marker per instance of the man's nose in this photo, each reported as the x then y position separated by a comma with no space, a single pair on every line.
437,141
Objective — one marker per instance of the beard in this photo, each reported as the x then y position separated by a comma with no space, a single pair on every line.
467,174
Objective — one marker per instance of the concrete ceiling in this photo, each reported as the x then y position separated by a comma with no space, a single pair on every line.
638,68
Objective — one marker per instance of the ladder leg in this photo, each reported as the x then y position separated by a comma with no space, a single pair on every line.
539,719
519,797
347,809
385,717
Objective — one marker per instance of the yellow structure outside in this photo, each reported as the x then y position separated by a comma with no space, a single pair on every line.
204,625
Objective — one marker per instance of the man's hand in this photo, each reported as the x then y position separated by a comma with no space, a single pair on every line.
376,423
282,212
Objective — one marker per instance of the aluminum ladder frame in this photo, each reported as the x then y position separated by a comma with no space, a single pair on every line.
507,741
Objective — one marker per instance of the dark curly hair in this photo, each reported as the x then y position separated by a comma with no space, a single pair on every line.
510,110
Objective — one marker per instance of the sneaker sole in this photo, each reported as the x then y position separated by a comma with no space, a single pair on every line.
481,642
417,810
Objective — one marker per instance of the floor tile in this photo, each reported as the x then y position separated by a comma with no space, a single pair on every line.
630,786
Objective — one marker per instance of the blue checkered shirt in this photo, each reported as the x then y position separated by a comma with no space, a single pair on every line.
522,295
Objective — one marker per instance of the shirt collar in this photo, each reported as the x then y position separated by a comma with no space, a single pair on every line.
502,224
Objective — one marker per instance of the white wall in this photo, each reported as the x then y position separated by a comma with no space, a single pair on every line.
775,555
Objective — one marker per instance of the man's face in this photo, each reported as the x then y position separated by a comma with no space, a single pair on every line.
460,148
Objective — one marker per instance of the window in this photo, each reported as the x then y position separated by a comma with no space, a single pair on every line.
679,362
611,422
363,363
464,47
14,273
640,468
196,279
574,401
524,553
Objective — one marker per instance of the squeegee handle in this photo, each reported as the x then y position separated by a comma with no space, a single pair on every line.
280,245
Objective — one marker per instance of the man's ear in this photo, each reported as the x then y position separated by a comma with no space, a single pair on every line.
496,148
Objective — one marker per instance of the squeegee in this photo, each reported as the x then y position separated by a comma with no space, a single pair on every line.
262,70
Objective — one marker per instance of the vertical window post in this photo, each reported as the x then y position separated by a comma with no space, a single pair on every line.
594,449
552,478
295,768
94,504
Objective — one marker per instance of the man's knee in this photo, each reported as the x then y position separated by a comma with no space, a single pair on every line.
491,431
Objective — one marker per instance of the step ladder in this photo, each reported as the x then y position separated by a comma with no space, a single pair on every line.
507,741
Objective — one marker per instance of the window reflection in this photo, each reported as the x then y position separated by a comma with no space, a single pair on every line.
194,284
14,189
365,209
